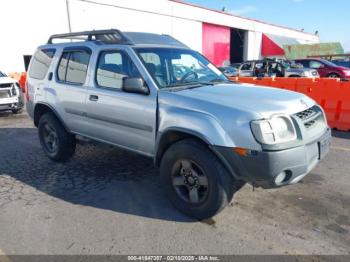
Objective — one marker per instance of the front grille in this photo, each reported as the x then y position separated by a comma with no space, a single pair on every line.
6,85
7,90
310,116
5,94
303,115
309,124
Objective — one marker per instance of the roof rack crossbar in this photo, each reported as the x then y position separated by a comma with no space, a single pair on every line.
109,36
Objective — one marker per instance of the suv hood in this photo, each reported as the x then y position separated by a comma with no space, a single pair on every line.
259,100
342,68
300,70
7,80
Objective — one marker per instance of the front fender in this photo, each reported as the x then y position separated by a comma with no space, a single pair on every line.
197,123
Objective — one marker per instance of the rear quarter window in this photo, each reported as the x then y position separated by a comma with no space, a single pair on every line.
41,62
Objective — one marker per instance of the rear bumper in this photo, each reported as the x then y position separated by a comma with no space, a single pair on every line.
260,168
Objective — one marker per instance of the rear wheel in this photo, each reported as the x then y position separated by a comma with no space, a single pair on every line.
57,143
195,181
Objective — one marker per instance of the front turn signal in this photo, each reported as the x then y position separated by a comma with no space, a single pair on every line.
241,151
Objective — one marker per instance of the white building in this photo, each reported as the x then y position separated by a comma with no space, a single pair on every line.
219,36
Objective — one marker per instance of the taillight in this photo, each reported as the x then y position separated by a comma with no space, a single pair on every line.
22,81
26,91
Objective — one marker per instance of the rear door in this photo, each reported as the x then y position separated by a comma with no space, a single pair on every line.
69,88
124,119
246,69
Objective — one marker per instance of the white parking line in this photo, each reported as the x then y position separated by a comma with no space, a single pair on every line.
340,148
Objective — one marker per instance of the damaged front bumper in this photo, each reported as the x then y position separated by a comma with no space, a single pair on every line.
10,101
263,167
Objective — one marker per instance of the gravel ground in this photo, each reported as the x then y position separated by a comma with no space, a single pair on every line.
108,201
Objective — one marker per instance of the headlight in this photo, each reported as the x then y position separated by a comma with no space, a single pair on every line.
347,72
306,73
14,90
277,129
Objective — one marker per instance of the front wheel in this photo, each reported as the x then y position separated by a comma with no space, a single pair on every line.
57,143
333,76
195,181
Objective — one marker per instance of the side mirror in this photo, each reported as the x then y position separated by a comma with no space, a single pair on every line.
134,85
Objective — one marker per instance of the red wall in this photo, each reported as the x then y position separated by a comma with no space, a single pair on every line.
216,43
270,48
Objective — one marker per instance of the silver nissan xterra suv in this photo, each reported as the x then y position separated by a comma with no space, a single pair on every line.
153,95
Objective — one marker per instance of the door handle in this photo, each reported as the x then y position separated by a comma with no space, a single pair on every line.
50,76
93,98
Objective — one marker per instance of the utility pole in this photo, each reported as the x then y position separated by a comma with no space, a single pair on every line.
68,16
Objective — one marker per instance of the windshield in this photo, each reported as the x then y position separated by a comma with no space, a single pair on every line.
329,63
171,67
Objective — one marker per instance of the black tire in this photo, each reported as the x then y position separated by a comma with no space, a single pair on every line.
21,99
20,104
17,111
62,146
221,185
333,75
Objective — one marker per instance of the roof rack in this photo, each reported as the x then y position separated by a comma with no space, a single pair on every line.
109,36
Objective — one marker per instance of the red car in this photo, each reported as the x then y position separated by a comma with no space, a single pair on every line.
325,68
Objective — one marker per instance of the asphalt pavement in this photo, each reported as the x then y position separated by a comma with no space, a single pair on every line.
108,201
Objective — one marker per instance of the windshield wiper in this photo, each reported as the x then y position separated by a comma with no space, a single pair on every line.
219,80
189,84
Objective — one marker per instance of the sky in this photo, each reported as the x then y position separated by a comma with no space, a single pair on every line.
330,17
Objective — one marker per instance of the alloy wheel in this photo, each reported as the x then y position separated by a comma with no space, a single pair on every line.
50,138
190,181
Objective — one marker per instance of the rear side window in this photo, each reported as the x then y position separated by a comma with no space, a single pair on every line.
62,67
41,63
305,63
247,66
73,67
315,64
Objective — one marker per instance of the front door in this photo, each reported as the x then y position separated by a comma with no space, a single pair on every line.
124,119
320,67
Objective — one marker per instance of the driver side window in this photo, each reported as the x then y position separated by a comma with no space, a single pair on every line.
112,67
315,64
154,66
